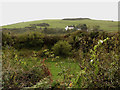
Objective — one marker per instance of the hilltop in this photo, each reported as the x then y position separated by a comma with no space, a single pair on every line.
62,23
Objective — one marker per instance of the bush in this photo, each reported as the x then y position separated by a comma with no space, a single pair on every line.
62,48
100,66
21,72
50,40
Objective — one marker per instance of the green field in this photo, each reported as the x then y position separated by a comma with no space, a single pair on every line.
58,23
66,62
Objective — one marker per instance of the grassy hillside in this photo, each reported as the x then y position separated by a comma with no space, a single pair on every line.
58,23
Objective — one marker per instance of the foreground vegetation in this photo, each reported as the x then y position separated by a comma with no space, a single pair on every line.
78,59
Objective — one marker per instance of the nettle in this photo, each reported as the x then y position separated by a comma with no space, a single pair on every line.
94,74
99,74
94,61
20,72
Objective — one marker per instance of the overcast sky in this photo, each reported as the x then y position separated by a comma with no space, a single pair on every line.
14,12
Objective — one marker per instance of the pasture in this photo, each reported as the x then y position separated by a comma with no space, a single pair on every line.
57,23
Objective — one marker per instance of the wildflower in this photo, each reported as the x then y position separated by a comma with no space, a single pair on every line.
91,61
100,41
56,64
70,84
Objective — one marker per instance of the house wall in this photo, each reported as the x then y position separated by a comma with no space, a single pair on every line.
69,28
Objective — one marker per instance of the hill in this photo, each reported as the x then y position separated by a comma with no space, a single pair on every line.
58,23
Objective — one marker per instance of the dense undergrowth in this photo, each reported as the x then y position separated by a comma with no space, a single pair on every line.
97,53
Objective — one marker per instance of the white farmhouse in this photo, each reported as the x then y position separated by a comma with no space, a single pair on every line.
69,27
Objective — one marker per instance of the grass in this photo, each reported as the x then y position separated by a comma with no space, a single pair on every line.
51,64
101,72
54,69
57,23
66,62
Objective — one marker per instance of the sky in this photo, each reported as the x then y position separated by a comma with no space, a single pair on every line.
23,10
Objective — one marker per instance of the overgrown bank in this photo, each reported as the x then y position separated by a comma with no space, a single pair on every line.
96,52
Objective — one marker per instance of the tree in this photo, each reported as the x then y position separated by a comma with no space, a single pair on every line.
43,24
78,26
84,27
62,48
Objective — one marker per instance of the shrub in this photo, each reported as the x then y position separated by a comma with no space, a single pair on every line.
50,40
101,69
62,48
21,72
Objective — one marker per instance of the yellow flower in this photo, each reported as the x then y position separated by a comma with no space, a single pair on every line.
70,84
56,64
